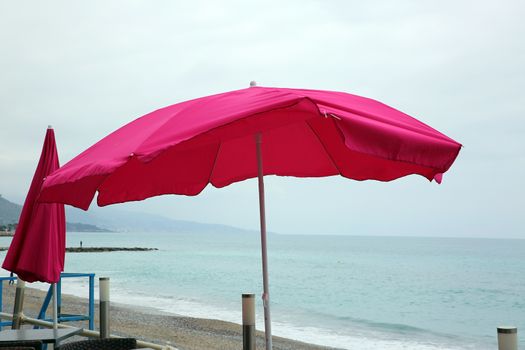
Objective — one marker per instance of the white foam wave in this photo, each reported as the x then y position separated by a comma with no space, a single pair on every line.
344,338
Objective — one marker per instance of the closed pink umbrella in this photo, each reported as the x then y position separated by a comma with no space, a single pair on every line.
224,138
37,250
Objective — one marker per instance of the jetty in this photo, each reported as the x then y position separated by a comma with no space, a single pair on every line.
101,249
107,249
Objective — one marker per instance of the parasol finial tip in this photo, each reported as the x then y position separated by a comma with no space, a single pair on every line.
253,83
50,127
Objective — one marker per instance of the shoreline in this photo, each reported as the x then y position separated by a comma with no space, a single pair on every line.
149,324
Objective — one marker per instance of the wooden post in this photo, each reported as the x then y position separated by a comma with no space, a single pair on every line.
103,287
19,304
507,338
248,322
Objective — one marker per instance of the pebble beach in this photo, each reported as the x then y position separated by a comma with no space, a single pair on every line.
185,333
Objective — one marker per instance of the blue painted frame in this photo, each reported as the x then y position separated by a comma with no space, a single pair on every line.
90,317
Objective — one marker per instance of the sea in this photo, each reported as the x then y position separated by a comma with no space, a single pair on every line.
346,292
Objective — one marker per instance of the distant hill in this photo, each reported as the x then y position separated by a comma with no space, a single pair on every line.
127,221
79,227
9,212
111,220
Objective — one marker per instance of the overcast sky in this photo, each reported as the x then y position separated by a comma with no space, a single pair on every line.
89,67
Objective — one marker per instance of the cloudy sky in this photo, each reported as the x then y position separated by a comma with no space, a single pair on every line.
89,67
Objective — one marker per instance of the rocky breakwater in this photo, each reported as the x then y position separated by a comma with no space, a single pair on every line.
107,249
100,249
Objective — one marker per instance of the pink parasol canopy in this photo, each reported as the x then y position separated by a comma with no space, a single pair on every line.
222,139
37,250
306,133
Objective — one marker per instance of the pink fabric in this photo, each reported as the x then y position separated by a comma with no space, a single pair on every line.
37,250
181,148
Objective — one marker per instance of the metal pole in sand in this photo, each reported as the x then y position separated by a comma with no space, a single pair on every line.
19,303
55,313
55,306
507,338
262,212
103,286
248,322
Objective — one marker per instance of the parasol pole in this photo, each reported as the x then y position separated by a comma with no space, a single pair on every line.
262,212
55,302
55,311
55,298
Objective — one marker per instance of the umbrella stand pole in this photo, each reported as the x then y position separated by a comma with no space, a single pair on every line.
18,304
262,212
55,311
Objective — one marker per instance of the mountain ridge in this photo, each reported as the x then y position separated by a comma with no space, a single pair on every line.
9,211
10,214
114,220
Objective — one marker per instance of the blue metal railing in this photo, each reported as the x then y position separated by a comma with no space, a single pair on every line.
62,317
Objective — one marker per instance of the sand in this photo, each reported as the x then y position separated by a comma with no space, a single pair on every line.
185,333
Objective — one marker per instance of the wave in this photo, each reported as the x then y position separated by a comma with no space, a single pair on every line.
393,327
351,334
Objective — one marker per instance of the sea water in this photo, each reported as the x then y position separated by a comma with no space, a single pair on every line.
342,291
